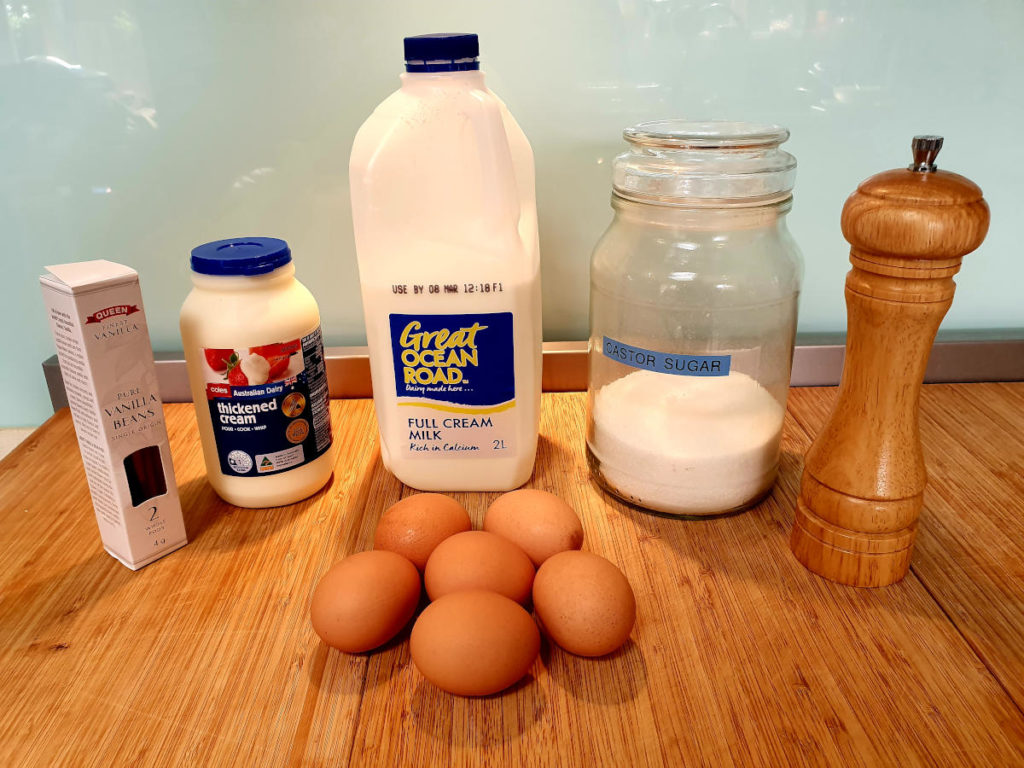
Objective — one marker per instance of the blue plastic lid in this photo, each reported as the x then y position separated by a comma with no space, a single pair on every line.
241,256
442,52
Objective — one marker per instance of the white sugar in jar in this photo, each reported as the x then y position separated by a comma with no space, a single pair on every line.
687,445
694,290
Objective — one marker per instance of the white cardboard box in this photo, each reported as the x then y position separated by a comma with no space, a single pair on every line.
106,360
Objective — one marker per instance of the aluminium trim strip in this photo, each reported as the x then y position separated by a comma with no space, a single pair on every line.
960,359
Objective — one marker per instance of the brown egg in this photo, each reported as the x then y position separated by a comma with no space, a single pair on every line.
364,600
474,643
417,524
584,603
539,522
478,560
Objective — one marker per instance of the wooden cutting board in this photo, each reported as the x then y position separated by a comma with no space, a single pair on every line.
740,656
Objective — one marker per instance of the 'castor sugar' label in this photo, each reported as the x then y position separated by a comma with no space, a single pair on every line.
661,362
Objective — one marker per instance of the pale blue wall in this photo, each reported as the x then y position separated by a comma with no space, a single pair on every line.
226,117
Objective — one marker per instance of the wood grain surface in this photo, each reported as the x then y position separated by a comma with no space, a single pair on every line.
970,546
740,656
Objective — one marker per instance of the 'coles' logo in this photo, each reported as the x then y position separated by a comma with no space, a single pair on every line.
105,314
217,390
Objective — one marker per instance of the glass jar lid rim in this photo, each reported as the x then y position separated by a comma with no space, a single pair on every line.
706,134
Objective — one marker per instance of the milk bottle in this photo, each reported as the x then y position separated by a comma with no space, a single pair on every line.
444,210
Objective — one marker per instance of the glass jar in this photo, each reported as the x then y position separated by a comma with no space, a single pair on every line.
693,311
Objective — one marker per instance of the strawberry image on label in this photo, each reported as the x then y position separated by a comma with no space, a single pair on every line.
248,370
278,365
278,356
235,375
217,359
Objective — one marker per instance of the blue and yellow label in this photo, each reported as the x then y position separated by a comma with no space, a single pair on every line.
455,364
459,359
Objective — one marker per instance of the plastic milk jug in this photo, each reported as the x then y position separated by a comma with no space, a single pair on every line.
445,218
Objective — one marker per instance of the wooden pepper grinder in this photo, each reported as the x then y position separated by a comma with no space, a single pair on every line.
864,476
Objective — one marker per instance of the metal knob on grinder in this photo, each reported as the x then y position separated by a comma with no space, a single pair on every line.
864,476
926,149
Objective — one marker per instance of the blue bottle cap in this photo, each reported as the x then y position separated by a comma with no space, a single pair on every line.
442,52
241,256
